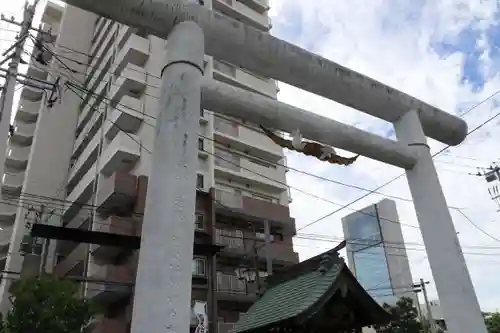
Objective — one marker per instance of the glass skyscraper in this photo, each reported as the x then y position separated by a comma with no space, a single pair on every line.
376,253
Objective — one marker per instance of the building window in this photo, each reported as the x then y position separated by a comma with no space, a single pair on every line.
199,267
201,145
199,222
200,182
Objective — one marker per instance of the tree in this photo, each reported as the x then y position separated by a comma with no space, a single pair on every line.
492,322
404,318
46,304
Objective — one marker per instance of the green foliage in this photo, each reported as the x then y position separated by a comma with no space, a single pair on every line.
404,318
492,322
46,304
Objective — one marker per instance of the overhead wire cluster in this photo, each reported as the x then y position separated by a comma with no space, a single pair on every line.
76,88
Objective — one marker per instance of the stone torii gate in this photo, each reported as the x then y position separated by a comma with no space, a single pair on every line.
163,283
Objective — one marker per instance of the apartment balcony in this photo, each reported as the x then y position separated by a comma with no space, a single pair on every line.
23,134
79,195
135,51
239,247
232,289
243,13
84,161
238,205
99,28
122,152
101,39
32,94
12,184
8,211
242,138
16,157
73,264
92,106
131,81
237,77
28,112
119,287
260,6
114,225
37,70
117,195
124,33
128,117
87,134
233,166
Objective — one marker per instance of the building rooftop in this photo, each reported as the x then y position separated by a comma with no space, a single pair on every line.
319,293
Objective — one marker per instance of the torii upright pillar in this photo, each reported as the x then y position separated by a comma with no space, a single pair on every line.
163,283
453,283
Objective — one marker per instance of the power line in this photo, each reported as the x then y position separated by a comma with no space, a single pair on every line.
268,161
264,176
477,226
77,87
401,175
387,244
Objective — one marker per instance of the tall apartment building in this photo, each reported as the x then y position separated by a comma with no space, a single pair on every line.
376,252
91,157
21,141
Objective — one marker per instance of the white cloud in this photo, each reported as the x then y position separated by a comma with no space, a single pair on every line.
391,41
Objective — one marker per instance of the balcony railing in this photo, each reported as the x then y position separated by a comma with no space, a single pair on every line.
121,153
248,208
230,74
225,159
255,16
231,284
134,51
225,68
226,127
232,239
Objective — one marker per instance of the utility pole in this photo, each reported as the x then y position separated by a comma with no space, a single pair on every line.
492,175
420,287
416,290
7,98
269,260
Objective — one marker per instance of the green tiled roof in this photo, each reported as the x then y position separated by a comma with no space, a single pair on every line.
289,299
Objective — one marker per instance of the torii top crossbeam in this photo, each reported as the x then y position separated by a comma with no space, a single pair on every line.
230,40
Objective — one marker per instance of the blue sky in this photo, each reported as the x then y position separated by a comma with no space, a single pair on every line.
444,52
